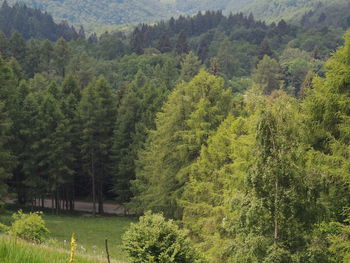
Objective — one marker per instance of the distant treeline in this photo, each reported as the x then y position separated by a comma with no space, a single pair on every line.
33,23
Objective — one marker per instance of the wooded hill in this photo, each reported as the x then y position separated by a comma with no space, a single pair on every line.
33,23
94,14
237,128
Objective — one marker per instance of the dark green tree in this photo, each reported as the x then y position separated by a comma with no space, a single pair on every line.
97,116
137,108
182,44
18,47
61,56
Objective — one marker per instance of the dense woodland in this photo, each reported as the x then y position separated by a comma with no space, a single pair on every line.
94,14
236,128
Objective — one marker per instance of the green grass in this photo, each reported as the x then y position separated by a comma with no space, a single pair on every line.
16,251
90,232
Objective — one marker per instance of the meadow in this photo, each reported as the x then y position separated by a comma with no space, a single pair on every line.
90,233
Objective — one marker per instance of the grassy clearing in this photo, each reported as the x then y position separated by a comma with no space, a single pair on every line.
90,233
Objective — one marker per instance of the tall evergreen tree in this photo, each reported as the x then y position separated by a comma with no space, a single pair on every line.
189,67
97,114
61,56
136,116
18,47
7,97
6,158
182,44
267,76
191,114
4,46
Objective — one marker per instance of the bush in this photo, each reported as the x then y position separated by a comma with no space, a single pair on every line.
30,227
153,239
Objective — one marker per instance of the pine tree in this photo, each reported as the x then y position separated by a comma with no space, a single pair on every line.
6,158
32,59
189,67
327,120
136,42
267,76
18,47
4,46
70,131
265,49
191,114
97,116
226,58
7,98
136,116
46,56
182,44
61,56
164,44
213,181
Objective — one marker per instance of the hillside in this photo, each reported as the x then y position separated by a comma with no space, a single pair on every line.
93,14
33,23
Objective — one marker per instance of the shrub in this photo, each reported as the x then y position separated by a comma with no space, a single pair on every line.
30,227
153,239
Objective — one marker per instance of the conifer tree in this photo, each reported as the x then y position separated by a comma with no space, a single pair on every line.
61,56
226,58
182,44
32,59
265,49
136,112
327,120
136,42
164,44
191,114
18,47
4,46
70,129
267,76
97,116
6,158
189,67
7,97
46,56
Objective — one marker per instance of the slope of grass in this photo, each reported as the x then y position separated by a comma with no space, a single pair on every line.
90,232
16,251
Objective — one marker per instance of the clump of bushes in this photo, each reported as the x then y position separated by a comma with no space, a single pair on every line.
30,227
153,239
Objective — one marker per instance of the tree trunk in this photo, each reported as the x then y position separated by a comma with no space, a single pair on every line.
100,197
93,185
52,203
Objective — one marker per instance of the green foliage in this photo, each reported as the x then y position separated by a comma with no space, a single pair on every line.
267,76
97,116
254,174
7,96
17,251
189,67
30,227
154,239
191,114
138,104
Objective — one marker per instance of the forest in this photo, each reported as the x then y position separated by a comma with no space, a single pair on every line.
96,15
235,128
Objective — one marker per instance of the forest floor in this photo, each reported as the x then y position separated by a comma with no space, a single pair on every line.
90,232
